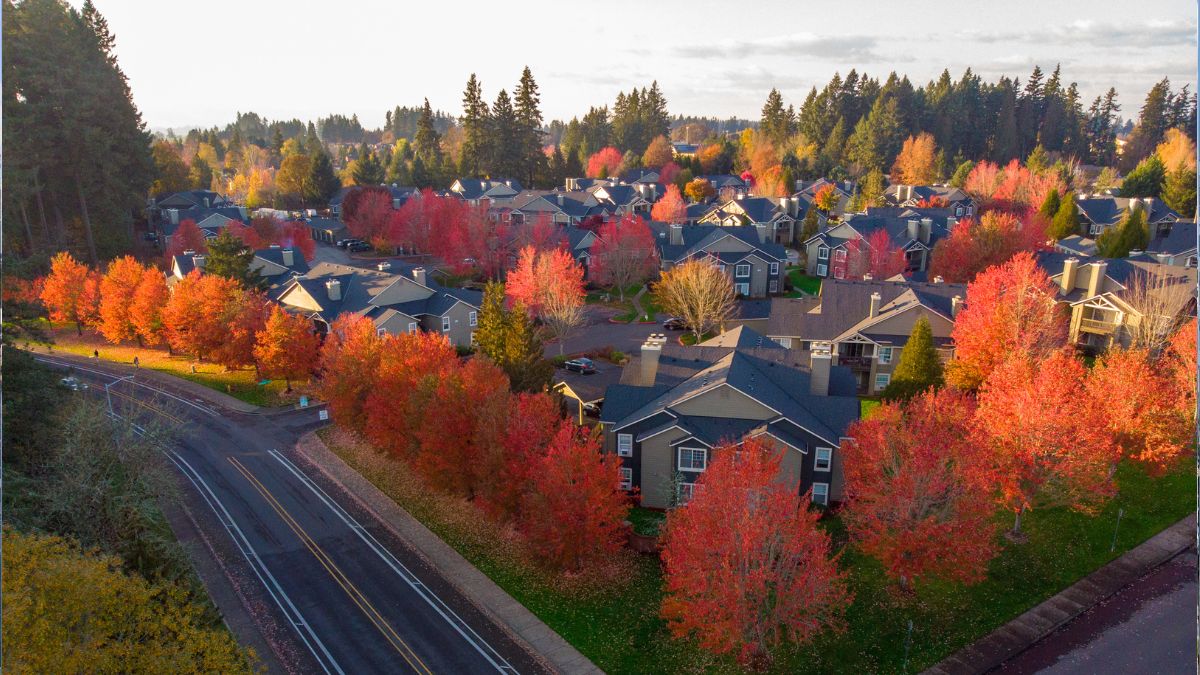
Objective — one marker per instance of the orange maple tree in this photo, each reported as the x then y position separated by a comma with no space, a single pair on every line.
146,310
65,292
919,488
745,561
214,317
1010,309
1179,365
671,208
117,290
349,367
287,347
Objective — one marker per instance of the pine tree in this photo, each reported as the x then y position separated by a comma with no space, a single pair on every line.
229,257
777,122
510,340
1066,219
1179,191
1131,234
1050,204
398,171
427,145
322,181
960,174
367,168
526,101
1146,180
505,139
475,130
919,367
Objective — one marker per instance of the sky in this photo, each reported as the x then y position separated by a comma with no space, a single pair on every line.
197,64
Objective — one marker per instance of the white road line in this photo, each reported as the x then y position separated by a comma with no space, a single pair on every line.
168,394
474,639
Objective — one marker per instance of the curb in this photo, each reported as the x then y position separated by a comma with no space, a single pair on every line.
1014,637
492,600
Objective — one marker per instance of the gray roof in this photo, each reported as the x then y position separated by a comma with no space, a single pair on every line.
1109,211
741,337
1119,270
893,220
953,196
200,213
477,188
844,305
1180,239
697,239
360,287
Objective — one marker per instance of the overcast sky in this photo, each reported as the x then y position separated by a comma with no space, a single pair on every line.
197,64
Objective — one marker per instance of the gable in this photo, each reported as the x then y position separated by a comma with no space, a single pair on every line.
724,401
296,296
728,244
401,290
215,220
267,268
902,323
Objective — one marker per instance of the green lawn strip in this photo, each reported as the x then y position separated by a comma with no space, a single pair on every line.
689,338
802,282
646,521
867,406
241,384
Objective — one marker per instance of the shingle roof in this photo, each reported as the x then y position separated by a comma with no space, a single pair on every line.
894,221
477,188
1181,239
359,288
844,305
697,239
1109,211
741,337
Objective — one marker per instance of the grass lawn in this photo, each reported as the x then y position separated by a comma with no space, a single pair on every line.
689,338
866,406
646,521
241,384
802,282
619,628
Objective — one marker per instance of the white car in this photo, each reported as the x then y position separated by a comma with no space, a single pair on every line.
73,383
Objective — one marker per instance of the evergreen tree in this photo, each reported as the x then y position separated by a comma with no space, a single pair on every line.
1153,121
367,169
1050,204
1006,140
398,171
1066,219
526,101
1131,234
277,146
960,174
510,340
229,257
1146,180
919,367
427,145
312,142
200,175
835,145
322,181
557,168
475,130
1100,128
777,123
1029,111
1038,160
870,191
505,139
1179,191
575,163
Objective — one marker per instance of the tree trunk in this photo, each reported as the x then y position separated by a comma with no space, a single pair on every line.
1016,530
87,222
79,327
28,229
37,186
287,381
59,225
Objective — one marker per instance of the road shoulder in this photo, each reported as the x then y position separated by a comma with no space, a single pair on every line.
522,624
1016,636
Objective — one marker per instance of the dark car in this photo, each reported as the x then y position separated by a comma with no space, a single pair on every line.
581,365
359,246
347,243
675,323
593,408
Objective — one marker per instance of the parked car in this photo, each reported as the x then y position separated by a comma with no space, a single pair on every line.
359,246
593,408
73,383
675,323
347,243
581,365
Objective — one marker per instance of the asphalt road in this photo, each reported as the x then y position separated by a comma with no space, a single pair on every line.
331,588
1148,627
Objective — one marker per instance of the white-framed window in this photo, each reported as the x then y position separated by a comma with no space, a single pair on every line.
885,354
412,327
839,272
822,253
625,445
1095,229
445,324
721,266
1191,261
626,479
693,459
474,318
741,271
882,380
474,342
958,211
822,269
820,493
839,255
823,459
381,332
686,492
774,268
773,286
741,289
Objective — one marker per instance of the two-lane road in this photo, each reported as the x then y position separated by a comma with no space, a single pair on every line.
352,597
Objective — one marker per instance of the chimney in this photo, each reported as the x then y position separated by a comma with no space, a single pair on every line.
914,229
289,257
560,199
676,234
876,301
951,222
1096,283
926,229
651,350
741,195
955,304
334,288
508,183
762,232
1067,281
199,261
419,276
821,362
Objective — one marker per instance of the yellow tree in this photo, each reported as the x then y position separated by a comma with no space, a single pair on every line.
698,292
917,162
658,153
1177,151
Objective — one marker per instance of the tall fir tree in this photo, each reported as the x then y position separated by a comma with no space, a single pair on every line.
919,367
505,139
1179,191
1066,219
427,146
322,181
475,130
526,107
229,257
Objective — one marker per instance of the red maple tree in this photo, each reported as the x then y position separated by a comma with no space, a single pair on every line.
366,212
574,513
876,255
919,484
146,311
65,291
624,253
1010,309
287,347
1052,443
671,208
296,234
187,237
510,465
605,163
117,290
668,173
1179,365
550,285
975,245
745,562
1013,188
349,367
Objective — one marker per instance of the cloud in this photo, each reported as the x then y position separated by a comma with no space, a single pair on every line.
827,47
1099,34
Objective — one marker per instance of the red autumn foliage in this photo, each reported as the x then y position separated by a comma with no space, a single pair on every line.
532,422
350,366
117,290
149,301
1052,443
196,316
605,163
624,253
1013,188
668,173
574,515
826,198
876,255
542,234
1011,309
408,370
366,212
65,292
973,246
745,562
747,178
671,208
247,235
287,347
541,279
187,237
297,234
933,202
919,484
1179,365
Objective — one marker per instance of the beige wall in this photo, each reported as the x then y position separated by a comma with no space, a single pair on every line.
402,290
658,465
724,401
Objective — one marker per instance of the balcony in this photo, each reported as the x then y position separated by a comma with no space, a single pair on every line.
863,362
1098,327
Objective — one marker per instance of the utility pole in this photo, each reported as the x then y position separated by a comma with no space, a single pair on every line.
108,396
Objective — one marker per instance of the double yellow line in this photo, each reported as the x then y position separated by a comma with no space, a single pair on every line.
142,404
338,575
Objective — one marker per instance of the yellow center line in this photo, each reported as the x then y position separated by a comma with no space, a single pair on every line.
147,406
356,595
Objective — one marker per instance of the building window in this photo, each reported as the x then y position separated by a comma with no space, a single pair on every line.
824,459
686,492
773,286
785,342
626,479
412,327
820,493
445,324
381,331
822,269
1191,261
742,289
474,316
721,266
885,354
741,271
839,255
958,211
774,268
625,445
693,459
823,253
882,380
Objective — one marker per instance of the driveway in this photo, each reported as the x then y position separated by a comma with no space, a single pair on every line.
597,332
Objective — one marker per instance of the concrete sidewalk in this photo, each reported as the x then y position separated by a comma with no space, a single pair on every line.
1016,636
475,585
